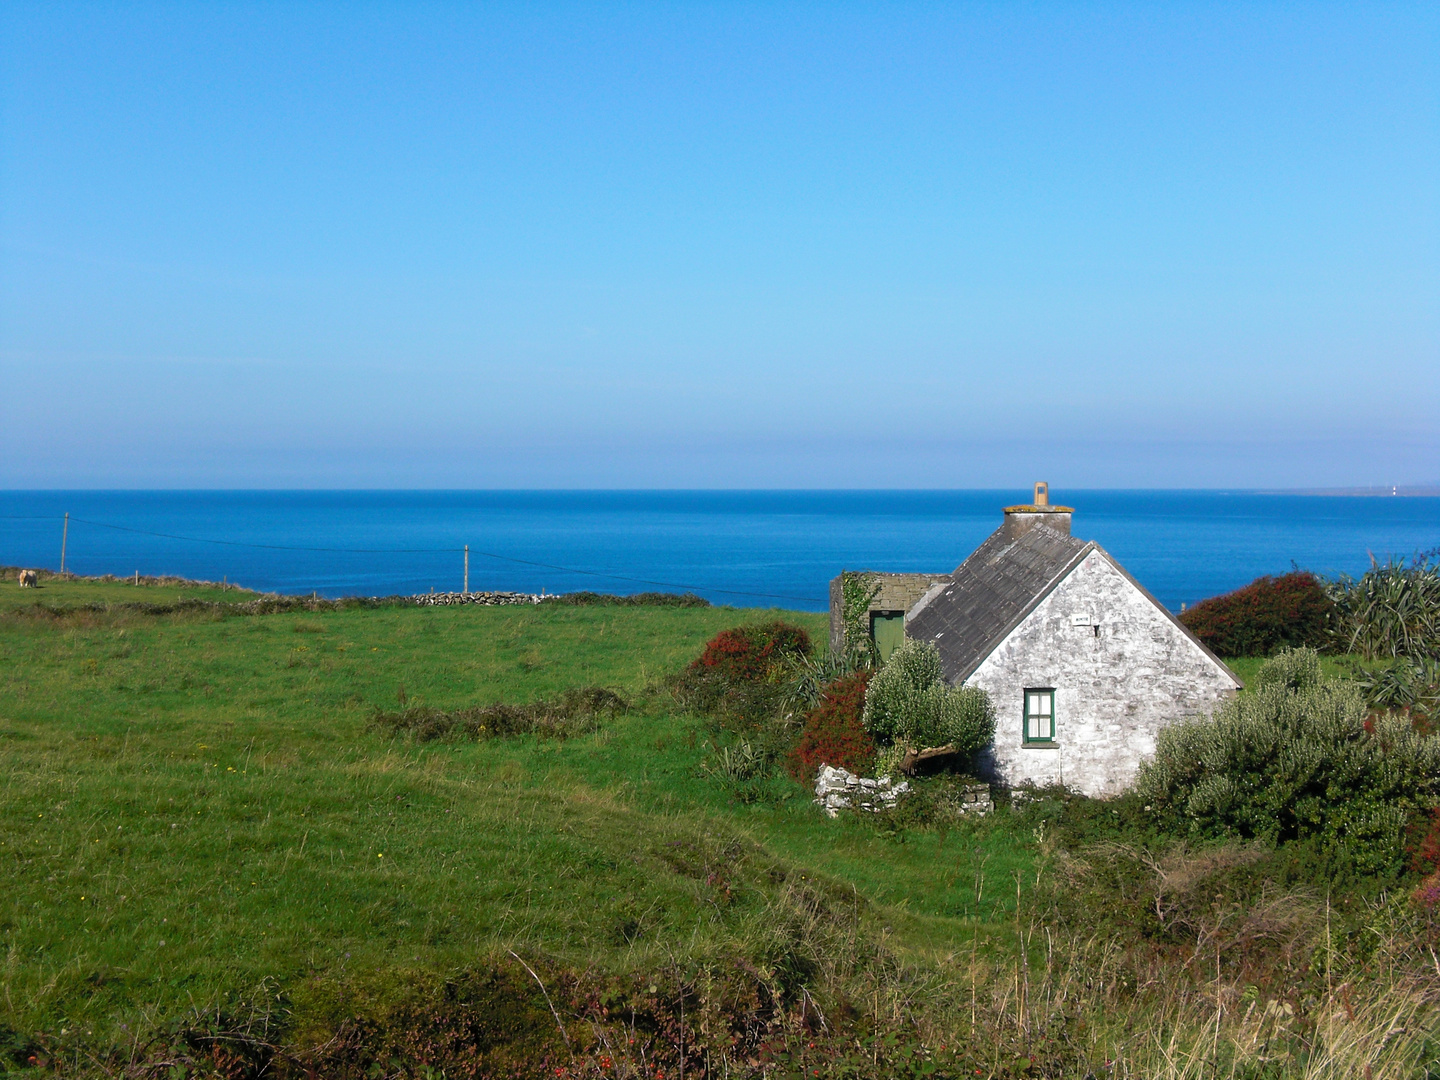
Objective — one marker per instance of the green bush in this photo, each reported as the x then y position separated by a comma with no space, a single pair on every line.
1298,758
1294,669
908,704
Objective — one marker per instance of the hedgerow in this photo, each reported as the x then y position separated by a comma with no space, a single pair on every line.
1292,610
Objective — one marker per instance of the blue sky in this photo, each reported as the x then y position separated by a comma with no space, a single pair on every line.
730,245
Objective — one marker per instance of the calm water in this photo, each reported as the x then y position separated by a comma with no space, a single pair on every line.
742,548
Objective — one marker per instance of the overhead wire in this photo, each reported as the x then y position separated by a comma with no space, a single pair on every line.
419,551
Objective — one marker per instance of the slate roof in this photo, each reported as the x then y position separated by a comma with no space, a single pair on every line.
991,592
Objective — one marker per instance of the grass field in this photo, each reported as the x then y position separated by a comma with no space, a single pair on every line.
198,817
194,803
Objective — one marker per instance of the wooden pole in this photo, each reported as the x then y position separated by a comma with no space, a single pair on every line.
64,539
467,569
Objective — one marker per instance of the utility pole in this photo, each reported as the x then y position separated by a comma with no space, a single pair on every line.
467,569
64,539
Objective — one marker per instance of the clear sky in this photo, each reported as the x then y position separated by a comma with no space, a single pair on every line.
728,245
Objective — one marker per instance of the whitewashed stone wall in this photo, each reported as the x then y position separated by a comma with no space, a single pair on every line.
1113,690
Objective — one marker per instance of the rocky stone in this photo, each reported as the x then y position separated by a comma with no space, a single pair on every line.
836,789
971,799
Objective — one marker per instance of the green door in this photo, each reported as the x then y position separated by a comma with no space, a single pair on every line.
887,629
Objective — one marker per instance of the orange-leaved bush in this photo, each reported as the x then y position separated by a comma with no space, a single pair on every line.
833,733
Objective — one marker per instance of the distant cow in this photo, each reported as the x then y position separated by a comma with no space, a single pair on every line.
28,579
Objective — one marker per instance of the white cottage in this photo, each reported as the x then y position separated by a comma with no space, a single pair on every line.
1083,665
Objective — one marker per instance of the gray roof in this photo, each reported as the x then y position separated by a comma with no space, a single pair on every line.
992,591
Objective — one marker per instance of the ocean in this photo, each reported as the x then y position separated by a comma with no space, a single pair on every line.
743,548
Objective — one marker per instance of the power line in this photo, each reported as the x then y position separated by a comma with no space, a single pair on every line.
425,551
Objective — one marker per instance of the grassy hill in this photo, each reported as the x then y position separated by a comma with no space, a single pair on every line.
214,863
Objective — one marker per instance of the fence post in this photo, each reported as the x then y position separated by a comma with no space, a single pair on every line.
64,539
467,569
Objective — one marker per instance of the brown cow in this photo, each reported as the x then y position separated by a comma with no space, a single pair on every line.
29,579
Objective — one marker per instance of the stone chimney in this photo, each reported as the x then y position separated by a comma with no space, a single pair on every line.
1021,519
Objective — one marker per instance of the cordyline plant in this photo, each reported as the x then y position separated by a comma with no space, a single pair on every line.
1392,610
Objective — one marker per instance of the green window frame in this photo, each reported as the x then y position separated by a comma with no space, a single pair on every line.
1039,727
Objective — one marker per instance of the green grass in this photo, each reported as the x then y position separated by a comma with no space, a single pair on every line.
59,592
196,811
191,804
1334,667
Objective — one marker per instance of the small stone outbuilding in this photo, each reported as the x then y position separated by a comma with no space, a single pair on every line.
1083,665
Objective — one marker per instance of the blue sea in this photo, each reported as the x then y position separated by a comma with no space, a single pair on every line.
744,548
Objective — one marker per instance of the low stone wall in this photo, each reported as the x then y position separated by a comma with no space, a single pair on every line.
489,599
836,789
972,799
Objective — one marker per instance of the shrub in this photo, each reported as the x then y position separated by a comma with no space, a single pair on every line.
1293,669
577,711
753,653
908,704
1269,613
741,675
834,733
1391,610
1298,758
1411,688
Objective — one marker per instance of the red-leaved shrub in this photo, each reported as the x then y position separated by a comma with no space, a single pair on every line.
833,733
739,678
1424,843
753,653
1427,896
1265,615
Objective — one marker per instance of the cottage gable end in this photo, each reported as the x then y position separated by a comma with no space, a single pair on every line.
1112,666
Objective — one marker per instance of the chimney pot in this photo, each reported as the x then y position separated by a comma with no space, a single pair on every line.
1021,519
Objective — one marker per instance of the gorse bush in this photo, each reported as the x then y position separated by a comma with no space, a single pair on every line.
908,704
834,733
1391,610
1269,613
1298,758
